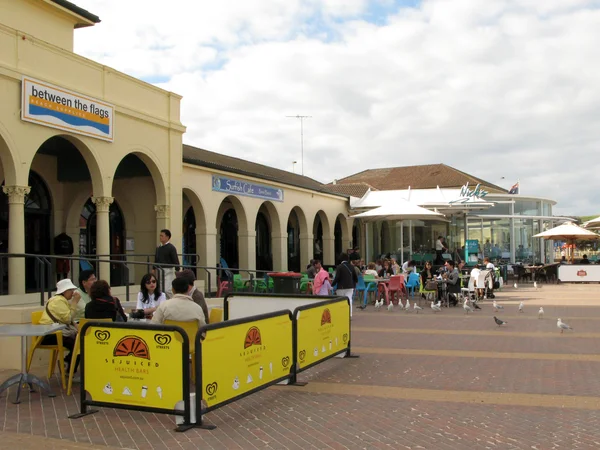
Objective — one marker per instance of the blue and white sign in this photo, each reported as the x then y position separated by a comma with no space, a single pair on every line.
239,187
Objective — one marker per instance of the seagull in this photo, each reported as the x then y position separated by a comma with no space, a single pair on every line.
521,306
390,306
435,308
499,322
377,304
541,313
515,285
417,308
536,285
407,306
563,326
466,307
497,306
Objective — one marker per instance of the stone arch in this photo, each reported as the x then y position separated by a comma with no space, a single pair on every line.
343,236
299,240
7,158
245,254
275,260
153,166
199,212
323,238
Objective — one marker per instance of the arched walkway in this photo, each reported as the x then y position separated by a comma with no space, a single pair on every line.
323,239
299,240
233,234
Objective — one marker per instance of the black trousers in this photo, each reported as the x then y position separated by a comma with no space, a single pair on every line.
68,343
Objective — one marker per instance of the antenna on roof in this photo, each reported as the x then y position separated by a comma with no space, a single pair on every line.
297,116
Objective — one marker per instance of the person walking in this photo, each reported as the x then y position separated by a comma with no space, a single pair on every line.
345,279
166,253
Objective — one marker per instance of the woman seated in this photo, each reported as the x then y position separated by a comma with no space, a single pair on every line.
386,270
427,273
150,295
103,305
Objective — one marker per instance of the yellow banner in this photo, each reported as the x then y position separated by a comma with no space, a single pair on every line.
239,358
322,331
133,367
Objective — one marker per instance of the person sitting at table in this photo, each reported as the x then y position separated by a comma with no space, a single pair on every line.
395,267
585,260
311,270
60,309
452,282
321,284
427,273
180,307
86,279
378,265
408,267
150,296
103,305
371,270
196,295
386,270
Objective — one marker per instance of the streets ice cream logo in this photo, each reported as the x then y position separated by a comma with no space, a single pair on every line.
163,340
285,361
252,338
581,273
132,346
102,337
211,390
302,355
325,317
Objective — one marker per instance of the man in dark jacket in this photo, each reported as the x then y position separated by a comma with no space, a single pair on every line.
166,253
345,279
196,295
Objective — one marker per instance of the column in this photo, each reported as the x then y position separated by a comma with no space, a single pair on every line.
306,250
279,251
247,249
16,237
206,247
329,249
103,235
162,220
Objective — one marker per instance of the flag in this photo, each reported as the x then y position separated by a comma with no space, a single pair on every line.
514,189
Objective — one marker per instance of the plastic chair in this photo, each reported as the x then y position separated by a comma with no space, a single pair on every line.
57,350
413,282
224,286
191,329
396,285
77,351
423,291
215,315
469,291
238,283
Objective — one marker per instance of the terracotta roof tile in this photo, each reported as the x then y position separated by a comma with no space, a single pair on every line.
417,177
218,161
353,189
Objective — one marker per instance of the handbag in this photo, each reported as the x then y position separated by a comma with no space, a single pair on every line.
69,332
431,285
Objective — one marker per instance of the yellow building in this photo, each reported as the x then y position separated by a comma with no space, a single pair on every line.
91,152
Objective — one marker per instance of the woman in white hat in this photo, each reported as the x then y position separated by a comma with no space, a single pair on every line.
60,309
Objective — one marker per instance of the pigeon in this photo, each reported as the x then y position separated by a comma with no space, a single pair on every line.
541,313
499,322
521,306
515,285
497,306
466,307
390,306
476,306
563,326
435,308
417,308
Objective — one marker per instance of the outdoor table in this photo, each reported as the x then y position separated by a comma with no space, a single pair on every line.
25,330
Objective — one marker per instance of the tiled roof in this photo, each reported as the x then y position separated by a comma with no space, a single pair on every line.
417,177
353,189
218,161
77,10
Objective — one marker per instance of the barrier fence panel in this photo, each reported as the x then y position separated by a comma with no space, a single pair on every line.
321,331
239,357
144,368
238,305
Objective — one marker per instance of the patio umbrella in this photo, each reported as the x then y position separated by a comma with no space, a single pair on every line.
593,224
569,232
399,209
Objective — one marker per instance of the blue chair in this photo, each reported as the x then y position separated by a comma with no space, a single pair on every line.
414,280
371,286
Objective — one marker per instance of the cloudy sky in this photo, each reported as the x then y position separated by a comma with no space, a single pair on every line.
505,90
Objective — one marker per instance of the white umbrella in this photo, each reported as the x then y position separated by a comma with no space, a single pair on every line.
569,232
399,209
593,224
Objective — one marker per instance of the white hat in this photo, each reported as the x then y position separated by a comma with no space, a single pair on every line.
64,285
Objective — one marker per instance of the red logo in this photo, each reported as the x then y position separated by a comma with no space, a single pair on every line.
581,273
325,317
132,346
252,337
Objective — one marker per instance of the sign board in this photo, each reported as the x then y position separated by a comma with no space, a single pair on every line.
56,107
239,187
471,248
468,195
137,368
579,273
239,357
241,304
322,330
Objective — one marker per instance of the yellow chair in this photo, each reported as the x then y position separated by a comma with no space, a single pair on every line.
77,350
216,315
57,350
191,328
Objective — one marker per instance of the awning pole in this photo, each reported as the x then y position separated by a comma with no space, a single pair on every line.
401,243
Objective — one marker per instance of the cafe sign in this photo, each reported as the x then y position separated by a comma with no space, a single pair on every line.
468,195
56,107
239,187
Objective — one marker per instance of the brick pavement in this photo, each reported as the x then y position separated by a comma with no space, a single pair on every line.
443,381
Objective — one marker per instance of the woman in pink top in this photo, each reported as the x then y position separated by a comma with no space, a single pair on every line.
321,284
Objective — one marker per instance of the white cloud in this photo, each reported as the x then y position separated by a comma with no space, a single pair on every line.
501,88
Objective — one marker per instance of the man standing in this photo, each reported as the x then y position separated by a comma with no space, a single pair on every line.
166,253
440,247
345,279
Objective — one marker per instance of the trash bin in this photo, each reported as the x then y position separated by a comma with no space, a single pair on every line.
286,282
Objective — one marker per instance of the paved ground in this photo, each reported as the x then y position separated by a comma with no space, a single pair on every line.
432,381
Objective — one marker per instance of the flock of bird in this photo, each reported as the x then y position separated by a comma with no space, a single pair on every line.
437,307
